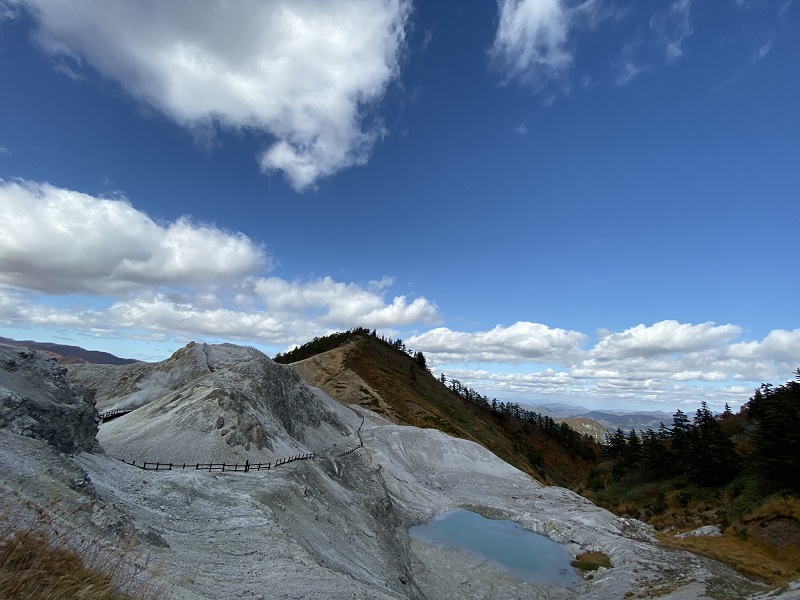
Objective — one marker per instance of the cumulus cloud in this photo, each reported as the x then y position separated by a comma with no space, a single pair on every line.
521,342
665,337
61,241
183,278
665,364
160,314
345,304
306,74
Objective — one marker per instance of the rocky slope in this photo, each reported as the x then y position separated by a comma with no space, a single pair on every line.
586,426
37,401
331,527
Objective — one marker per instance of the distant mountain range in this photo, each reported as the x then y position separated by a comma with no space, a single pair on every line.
70,355
610,419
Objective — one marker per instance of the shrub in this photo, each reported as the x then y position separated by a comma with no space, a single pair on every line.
44,556
591,561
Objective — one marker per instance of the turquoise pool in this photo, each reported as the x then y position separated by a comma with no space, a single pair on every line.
524,554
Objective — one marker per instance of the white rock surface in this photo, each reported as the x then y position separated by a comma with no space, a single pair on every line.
705,530
332,527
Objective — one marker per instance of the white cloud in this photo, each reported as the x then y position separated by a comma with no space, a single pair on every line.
61,241
673,26
629,68
305,73
665,337
663,365
205,314
345,304
532,39
762,51
521,342
107,268
4,151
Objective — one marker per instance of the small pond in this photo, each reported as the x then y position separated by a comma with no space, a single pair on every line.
524,554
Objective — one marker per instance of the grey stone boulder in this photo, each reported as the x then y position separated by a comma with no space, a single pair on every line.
38,401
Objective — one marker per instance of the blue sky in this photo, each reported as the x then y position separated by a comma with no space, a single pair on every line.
589,202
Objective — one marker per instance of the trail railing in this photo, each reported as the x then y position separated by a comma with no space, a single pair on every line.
113,414
245,467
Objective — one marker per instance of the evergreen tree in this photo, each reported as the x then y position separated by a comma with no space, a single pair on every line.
616,444
633,451
713,459
777,433
679,450
655,458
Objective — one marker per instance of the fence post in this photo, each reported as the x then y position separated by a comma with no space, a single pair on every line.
247,466
223,467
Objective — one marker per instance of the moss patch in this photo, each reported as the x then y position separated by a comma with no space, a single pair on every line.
591,561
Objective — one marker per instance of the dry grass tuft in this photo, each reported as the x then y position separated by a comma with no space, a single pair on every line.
591,561
44,556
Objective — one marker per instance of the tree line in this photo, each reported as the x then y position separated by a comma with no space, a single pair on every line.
323,344
573,442
762,440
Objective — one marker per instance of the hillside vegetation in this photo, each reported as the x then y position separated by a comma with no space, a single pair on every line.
740,471
397,383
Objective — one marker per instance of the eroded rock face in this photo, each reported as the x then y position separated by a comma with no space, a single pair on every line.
210,403
38,401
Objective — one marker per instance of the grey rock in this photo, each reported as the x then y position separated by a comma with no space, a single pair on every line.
706,530
38,401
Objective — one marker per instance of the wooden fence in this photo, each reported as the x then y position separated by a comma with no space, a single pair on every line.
113,414
245,467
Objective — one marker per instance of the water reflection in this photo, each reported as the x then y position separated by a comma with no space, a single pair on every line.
524,554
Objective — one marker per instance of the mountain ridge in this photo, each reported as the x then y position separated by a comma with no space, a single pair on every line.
66,354
363,369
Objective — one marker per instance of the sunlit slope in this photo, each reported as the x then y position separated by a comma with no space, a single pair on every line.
368,371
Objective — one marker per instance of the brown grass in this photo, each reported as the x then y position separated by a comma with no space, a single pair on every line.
753,558
787,508
591,561
44,556
410,395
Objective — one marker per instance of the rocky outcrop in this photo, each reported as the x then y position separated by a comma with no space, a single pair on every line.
211,403
38,401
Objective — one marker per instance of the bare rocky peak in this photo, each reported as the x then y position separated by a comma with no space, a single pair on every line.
37,400
215,402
